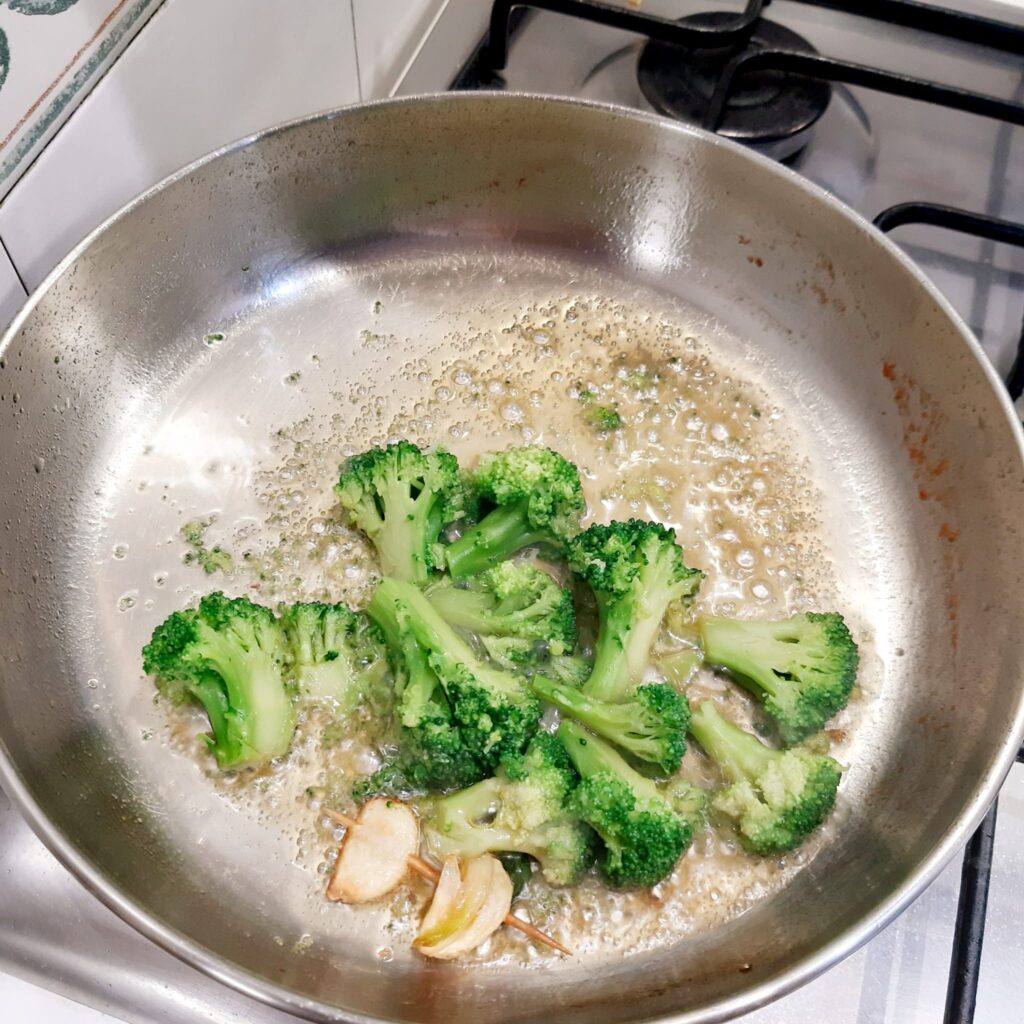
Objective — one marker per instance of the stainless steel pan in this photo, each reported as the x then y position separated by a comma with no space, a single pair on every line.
283,238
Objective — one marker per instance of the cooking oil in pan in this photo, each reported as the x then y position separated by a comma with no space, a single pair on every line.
662,424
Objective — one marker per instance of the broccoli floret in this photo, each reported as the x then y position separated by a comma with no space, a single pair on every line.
520,615
538,499
432,754
495,713
570,669
522,810
636,570
602,418
228,655
651,724
643,832
775,797
431,757
333,652
210,559
802,668
400,497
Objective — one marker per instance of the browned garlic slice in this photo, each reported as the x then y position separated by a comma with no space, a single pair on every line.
468,906
375,853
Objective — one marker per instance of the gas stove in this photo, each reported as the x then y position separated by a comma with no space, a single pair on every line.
874,147
912,116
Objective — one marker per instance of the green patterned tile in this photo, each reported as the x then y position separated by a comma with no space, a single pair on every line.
52,52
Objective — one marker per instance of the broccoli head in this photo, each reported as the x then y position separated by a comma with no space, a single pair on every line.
775,798
643,832
228,654
522,809
495,714
636,570
802,668
520,615
537,498
333,653
401,497
651,724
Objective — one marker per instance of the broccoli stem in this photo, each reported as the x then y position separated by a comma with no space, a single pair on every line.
214,699
591,755
501,533
418,680
469,806
418,621
732,643
597,715
655,593
611,675
466,609
399,542
739,754
252,679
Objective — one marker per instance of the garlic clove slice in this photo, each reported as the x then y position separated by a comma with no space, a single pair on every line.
375,852
478,909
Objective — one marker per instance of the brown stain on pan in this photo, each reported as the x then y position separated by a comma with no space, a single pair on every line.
921,417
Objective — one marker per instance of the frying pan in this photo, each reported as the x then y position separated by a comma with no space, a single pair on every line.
177,321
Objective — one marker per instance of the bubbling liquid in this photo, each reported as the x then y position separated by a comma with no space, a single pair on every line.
663,428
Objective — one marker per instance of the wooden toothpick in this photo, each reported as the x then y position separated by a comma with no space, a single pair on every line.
431,874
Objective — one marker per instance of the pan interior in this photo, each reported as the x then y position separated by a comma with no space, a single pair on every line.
213,355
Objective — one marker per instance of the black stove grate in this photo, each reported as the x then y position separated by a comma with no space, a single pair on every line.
483,71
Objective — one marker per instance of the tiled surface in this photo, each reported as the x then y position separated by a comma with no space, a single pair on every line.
178,92
52,52
12,294
387,34
458,29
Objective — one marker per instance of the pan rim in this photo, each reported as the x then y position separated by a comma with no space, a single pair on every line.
809,967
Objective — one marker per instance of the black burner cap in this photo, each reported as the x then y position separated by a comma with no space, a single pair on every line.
766,107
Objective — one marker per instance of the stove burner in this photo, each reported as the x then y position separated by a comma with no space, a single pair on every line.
769,110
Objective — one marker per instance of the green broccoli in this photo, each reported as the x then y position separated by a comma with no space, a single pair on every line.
538,499
333,652
228,655
651,724
802,668
431,753
401,497
775,797
636,570
645,831
602,418
520,615
495,713
521,809
209,559
570,669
